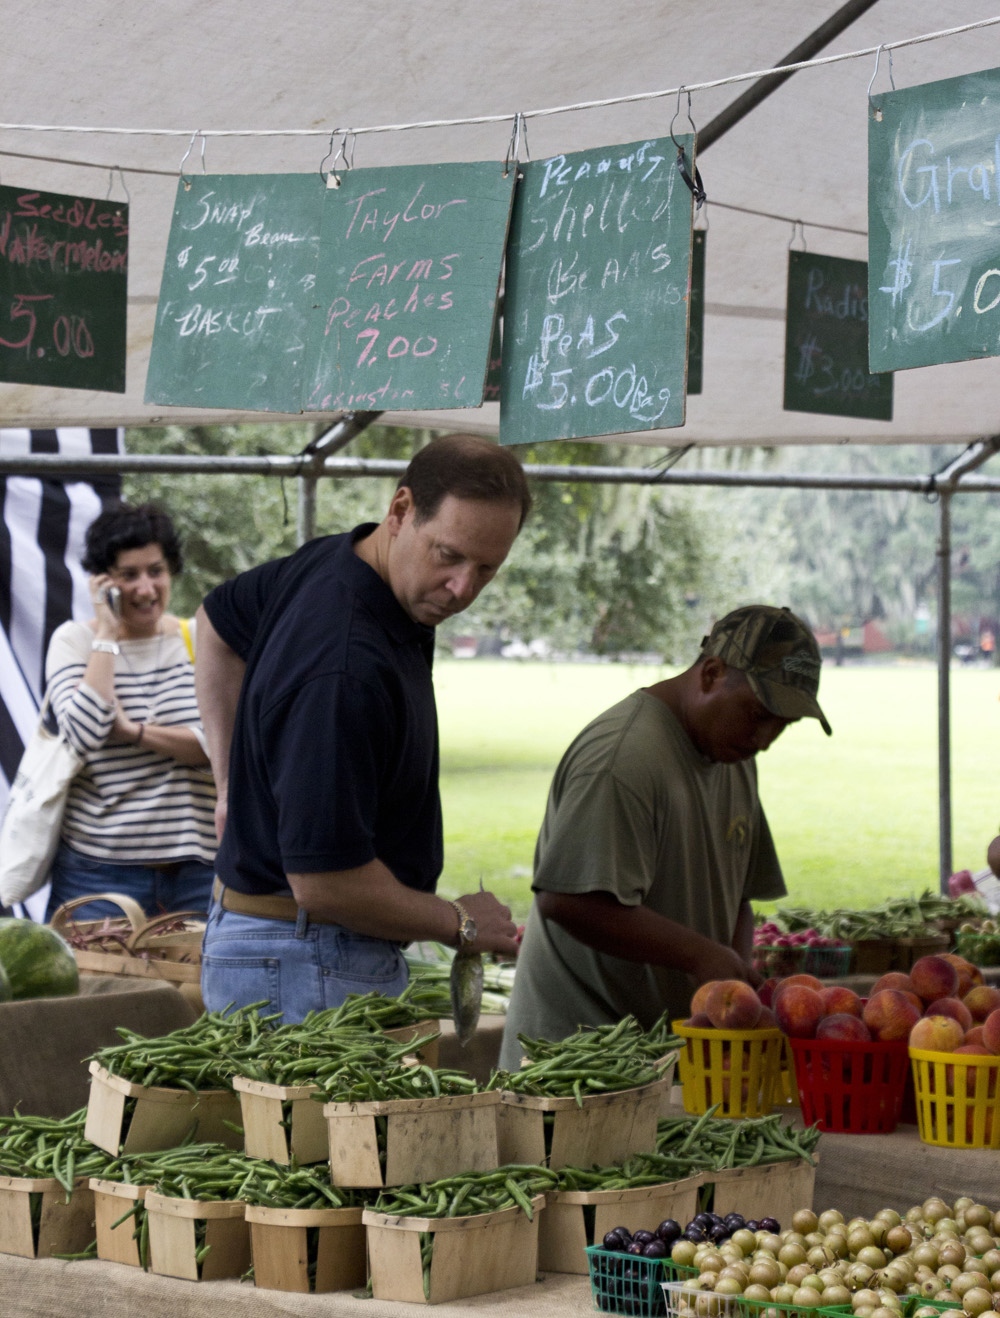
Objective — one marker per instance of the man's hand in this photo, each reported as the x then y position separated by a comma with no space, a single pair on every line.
716,961
495,931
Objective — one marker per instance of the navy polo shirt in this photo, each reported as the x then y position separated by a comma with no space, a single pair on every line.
334,757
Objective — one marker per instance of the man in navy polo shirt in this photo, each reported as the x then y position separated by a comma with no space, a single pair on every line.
314,683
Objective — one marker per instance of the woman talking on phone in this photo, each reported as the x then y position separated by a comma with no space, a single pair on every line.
140,813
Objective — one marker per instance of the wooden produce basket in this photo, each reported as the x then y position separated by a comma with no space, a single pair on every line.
161,1118
776,1189
307,1249
474,1255
117,1244
36,1221
281,1122
608,1128
565,1229
877,956
146,952
174,1244
426,1139
429,1054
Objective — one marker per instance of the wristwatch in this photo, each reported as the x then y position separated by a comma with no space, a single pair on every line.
106,647
466,925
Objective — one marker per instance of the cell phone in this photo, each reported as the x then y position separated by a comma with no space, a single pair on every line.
113,599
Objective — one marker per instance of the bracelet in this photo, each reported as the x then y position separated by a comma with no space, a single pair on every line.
106,647
138,740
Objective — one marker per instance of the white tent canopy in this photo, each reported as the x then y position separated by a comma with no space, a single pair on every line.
178,66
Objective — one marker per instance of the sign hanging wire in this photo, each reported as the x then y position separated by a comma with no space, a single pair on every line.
180,169
797,225
333,179
519,130
694,183
111,180
876,111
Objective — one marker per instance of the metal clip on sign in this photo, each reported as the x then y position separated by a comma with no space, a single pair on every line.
695,183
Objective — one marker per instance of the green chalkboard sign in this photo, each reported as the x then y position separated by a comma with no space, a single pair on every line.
238,286
596,298
826,340
63,290
696,324
934,222
407,287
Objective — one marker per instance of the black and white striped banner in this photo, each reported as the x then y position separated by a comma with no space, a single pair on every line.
42,529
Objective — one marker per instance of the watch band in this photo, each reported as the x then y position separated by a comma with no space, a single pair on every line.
106,647
466,925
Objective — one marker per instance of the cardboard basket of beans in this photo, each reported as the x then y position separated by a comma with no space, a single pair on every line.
849,1085
38,1219
738,1069
196,1239
958,1099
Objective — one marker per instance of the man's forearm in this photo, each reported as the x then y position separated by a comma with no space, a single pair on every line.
636,933
371,900
218,677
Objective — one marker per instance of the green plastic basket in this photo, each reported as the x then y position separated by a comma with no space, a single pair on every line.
627,1283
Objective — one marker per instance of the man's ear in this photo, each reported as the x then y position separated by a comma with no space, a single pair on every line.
400,505
712,673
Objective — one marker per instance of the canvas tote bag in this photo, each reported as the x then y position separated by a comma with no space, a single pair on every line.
33,820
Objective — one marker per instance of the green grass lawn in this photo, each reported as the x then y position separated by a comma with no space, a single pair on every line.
855,815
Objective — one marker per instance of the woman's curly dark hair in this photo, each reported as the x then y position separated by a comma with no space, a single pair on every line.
124,527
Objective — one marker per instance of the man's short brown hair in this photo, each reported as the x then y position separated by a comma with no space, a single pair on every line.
467,467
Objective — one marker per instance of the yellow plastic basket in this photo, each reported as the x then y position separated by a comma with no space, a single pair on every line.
738,1069
958,1099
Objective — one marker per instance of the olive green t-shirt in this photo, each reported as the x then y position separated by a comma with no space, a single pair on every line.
635,810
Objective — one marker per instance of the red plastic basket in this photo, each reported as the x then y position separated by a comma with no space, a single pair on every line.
851,1087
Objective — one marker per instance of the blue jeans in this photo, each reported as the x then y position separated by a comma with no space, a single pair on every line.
293,966
186,886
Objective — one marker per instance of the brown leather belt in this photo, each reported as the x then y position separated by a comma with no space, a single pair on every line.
266,906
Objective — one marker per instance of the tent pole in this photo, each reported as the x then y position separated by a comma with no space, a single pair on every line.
763,88
944,685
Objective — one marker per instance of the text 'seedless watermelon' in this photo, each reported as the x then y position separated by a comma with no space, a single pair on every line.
38,962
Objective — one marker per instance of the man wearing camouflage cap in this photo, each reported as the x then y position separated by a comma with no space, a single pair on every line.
654,841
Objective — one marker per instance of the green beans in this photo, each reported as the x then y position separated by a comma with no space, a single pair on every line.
44,1147
358,1082
705,1144
470,1194
598,1061
272,1186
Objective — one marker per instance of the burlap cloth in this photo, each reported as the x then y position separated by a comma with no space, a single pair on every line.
49,1288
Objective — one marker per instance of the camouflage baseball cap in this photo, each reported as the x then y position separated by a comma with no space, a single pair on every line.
778,653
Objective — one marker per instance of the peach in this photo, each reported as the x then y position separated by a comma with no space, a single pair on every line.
975,1035
731,1004
968,974
991,1032
843,1025
937,1034
768,1020
892,979
799,1010
934,977
839,999
981,999
890,1014
699,1021
700,996
951,1007
766,990
809,981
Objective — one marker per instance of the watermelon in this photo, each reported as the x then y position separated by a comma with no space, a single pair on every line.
38,962
4,986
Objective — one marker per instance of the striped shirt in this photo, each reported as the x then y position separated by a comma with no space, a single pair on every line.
129,804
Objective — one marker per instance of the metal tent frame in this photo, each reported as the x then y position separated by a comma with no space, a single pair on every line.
319,461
